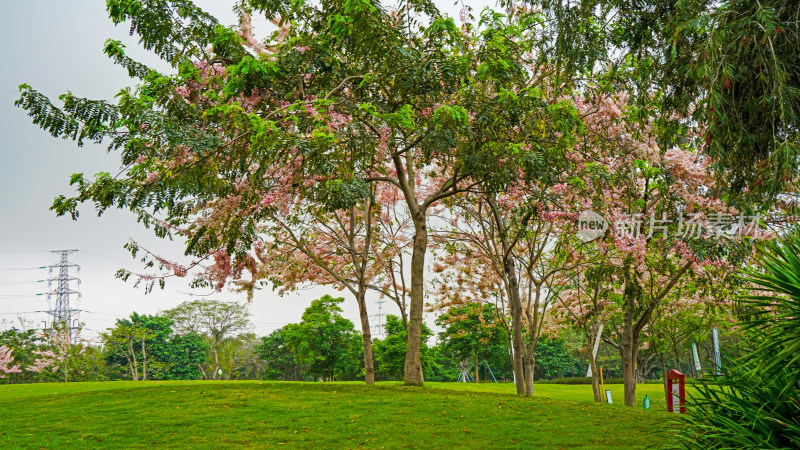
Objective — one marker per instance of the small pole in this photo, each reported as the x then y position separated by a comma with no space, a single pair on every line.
602,385
715,342
596,348
696,358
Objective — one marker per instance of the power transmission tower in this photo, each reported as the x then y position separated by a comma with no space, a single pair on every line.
63,314
379,326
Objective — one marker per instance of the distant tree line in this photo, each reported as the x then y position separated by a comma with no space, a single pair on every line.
325,346
207,339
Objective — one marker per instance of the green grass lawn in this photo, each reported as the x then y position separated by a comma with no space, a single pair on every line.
324,415
568,392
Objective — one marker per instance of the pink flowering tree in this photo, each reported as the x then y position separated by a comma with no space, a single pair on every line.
687,317
346,248
394,243
584,300
63,355
342,96
667,225
510,236
7,365
508,243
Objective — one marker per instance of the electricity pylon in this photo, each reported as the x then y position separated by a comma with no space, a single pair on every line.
63,314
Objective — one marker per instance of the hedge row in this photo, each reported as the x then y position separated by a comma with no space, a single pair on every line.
588,380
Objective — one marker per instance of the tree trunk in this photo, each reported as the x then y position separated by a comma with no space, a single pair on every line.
646,365
135,372
215,375
403,315
533,336
640,369
628,351
628,374
412,374
477,368
529,366
369,367
130,366
516,323
144,362
512,358
598,395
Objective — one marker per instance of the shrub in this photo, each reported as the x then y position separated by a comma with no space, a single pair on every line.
756,403
588,380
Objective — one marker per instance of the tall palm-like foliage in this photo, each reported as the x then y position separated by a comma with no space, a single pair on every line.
756,402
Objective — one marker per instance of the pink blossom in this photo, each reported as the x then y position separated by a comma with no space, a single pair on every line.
6,358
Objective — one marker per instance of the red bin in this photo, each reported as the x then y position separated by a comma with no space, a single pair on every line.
676,392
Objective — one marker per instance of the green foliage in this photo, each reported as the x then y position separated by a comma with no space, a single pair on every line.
23,344
774,316
324,342
175,30
751,67
342,194
211,318
588,381
168,356
70,360
250,73
451,95
87,364
62,355
116,51
227,44
473,332
733,65
183,354
443,367
219,324
279,359
390,352
756,402
78,119
553,359
239,358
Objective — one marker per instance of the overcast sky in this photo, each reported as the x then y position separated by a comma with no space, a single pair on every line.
56,46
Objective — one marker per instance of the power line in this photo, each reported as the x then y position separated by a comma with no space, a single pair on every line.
103,314
109,257
15,296
24,312
6,252
11,283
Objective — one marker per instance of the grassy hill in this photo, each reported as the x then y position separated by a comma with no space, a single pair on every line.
322,415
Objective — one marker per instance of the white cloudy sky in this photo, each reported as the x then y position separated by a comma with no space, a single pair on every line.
56,46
